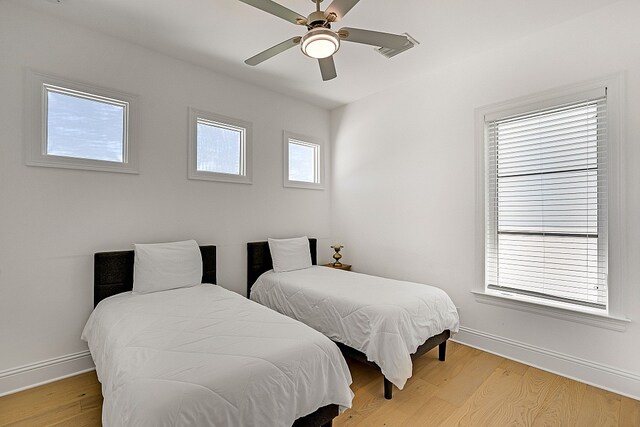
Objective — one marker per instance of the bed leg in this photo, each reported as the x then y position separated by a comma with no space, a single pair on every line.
442,351
388,389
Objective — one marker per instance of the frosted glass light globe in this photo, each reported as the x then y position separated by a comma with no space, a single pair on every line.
320,43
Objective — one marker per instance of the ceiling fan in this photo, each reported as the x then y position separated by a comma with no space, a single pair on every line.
320,41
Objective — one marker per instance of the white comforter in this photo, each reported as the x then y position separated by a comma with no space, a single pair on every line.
383,318
205,356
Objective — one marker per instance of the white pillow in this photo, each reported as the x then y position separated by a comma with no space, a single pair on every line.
290,254
162,266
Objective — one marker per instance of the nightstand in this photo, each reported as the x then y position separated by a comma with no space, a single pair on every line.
345,267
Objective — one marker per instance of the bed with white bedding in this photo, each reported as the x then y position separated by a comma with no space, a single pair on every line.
203,355
386,320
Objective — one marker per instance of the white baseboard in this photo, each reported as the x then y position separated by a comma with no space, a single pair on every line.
592,373
46,371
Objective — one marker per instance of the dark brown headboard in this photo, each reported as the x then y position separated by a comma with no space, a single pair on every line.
259,260
113,272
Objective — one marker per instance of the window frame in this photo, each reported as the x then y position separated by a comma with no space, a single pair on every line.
584,99
613,316
246,149
36,123
319,161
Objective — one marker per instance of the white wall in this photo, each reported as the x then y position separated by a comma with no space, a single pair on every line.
404,180
53,220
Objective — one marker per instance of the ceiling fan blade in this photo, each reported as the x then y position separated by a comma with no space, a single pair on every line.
273,51
340,8
328,68
277,10
374,38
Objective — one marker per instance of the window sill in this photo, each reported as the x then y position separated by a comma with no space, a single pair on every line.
558,311
220,177
50,161
305,185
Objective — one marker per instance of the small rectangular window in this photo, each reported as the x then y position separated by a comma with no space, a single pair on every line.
85,126
77,126
219,148
303,162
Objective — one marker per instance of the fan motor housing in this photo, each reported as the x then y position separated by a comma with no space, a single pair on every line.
317,19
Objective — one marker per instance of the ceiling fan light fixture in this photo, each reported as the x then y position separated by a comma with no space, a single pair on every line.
320,43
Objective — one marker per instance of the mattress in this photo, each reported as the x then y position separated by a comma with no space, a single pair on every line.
385,319
207,356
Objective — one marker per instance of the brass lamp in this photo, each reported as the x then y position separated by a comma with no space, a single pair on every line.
337,255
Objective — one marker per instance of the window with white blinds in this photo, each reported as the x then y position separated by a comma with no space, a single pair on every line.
546,203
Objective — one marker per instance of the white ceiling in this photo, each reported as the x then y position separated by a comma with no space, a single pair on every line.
221,34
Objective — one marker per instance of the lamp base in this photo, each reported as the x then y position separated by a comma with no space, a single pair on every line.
337,256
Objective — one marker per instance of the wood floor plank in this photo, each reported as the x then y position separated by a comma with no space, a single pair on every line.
599,408
39,400
453,346
457,387
405,403
562,406
348,418
486,405
55,415
367,387
526,402
91,418
431,414
629,412
514,367
433,373
90,402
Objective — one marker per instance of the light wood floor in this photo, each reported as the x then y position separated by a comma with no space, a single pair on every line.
472,388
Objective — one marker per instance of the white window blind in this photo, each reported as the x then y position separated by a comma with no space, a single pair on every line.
546,208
